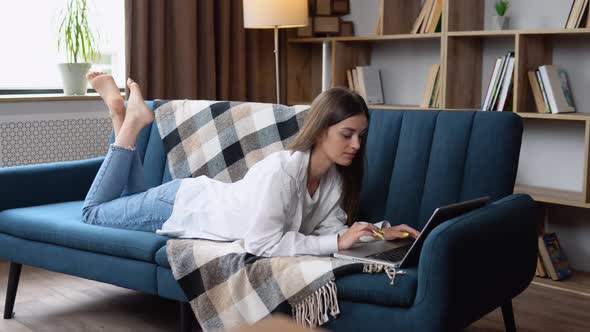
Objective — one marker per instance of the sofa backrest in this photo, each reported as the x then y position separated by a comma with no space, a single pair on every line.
420,160
416,160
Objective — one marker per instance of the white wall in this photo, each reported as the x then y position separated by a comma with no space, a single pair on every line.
552,152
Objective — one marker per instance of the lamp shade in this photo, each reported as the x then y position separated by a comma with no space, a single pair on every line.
266,14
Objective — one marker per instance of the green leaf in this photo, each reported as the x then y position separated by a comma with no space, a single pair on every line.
75,36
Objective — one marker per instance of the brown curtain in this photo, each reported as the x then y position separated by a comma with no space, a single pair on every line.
199,49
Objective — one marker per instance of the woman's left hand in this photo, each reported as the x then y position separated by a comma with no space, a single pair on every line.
399,232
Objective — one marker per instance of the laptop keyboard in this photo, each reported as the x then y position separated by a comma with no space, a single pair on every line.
393,255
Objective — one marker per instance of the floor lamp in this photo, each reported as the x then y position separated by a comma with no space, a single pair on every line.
275,14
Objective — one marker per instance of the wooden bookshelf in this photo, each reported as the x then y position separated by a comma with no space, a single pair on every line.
578,283
407,36
554,196
496,33
561,116
462,47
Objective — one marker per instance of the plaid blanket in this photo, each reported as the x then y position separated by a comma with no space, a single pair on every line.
222,140
225,285
228,287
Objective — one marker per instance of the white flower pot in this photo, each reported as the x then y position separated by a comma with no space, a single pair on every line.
500,22
74,77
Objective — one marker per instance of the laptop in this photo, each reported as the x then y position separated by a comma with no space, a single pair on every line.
406,252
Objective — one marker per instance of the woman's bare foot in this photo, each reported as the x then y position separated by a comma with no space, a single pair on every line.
137,116
106,87
137,110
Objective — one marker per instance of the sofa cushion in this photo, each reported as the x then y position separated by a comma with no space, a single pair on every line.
162,257
62,224
418,161
376,288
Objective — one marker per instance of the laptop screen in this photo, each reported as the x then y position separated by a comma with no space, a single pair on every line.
439,216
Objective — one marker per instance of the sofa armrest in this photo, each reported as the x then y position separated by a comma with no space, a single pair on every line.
476,262
48,183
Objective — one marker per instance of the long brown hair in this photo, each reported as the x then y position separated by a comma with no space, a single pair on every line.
328,108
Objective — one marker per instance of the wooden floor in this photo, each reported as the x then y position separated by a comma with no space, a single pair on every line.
48,301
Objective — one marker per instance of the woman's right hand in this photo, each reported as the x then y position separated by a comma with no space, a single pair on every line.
354,233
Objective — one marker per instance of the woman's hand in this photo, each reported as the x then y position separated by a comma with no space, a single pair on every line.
399,232
354,233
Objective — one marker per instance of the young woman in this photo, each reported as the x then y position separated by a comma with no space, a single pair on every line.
294,202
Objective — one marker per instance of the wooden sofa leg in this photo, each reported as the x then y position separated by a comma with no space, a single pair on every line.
187,317
13,278
508,315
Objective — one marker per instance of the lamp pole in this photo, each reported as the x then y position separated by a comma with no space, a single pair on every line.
278,83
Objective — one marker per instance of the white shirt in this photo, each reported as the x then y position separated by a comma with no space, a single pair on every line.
269,210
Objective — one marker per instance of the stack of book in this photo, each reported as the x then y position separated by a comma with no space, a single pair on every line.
432,96
366,81
579,16
499,92
551,261
551,90
430,18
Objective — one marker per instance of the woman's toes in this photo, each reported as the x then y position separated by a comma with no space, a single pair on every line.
130,82
90,75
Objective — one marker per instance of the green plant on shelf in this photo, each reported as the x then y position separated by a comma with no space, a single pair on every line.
502,7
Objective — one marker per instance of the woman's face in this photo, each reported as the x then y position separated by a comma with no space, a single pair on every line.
341,142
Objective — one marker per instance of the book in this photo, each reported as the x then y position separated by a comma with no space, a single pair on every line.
349,79
506,85
370,87
582,15
542,87
420,18
541,272
537,95
553,258
427,18
493,79
355,81
572,14
501,78
557,88
578,12
435,16
379,21
437,95
431,80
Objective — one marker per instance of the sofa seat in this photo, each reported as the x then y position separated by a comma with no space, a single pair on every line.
62,224
376,288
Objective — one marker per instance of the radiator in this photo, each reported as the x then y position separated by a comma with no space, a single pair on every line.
34,141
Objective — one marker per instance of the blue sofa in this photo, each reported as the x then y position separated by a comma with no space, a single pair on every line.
417,161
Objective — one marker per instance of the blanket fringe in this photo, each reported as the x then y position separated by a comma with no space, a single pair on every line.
314,310
391,272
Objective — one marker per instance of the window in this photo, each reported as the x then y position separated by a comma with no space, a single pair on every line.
28,35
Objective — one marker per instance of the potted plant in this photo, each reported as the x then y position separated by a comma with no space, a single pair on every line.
501,20
78,42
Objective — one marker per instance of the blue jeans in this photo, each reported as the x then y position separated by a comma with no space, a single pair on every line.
120,198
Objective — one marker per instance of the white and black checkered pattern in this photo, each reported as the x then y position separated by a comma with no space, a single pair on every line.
221,139
228,287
